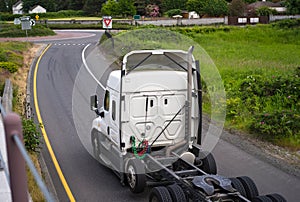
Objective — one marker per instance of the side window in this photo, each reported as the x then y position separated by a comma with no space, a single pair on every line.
106,101
113,110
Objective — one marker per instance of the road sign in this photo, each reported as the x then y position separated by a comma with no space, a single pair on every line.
25,22
136,17
107,22
17,21
32,22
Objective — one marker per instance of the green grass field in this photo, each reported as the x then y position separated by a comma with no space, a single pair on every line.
260,69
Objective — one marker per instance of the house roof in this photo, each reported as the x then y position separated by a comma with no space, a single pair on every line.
18,3
36,7
259,4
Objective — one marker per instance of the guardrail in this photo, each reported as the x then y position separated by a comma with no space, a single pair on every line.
16,153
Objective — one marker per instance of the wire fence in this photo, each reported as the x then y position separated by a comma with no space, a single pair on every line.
17,156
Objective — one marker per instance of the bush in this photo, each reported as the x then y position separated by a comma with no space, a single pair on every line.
265,11
59,14
11,30
10,66
173,12
276,125
31,135
288,23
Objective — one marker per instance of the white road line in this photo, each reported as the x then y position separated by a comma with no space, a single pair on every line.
87,68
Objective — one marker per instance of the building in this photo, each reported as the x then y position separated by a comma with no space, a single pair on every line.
37,9
275,6
17,8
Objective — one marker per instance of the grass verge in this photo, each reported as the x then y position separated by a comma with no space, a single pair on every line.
23,54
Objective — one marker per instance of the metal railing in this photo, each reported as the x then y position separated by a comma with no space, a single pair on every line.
17,156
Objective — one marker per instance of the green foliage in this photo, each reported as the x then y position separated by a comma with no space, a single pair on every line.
93,7
111,8
173,4
216,8
265,11
277,124
48,15
237,8
173,12
10,66
288,23
31,135
197,5
3,7
293,6
127,8
261,75
11,30
121,7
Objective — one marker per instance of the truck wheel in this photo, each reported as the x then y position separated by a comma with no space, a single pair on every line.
276,198
96,146
176,193
160,194
249,186
238,186
136,177
261,199
206,162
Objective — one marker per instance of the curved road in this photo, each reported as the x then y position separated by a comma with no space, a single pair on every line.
64,86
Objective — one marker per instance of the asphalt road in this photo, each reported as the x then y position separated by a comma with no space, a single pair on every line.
64,86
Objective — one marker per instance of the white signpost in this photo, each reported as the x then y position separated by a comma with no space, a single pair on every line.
107,22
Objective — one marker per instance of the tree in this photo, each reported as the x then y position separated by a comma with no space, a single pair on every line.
216,8
237,8
293,7
265,11
111,7
3,6
27,4
76,4
173,4
127,8
197,5
93,7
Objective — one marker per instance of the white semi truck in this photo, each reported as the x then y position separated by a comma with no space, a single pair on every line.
148,130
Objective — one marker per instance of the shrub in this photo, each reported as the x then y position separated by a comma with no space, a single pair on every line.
288,23
265,11
173,12
31,135
10,66
276,125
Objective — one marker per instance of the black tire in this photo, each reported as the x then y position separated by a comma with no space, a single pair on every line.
208,163
261,199
136,177
176,193
238,186
276,198
249,186
160,194
96,146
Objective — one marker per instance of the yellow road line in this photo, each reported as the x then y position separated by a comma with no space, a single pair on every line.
55,162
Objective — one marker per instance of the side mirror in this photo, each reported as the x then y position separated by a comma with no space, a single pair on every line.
94,103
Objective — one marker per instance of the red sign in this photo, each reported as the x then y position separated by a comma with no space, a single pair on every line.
107,22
